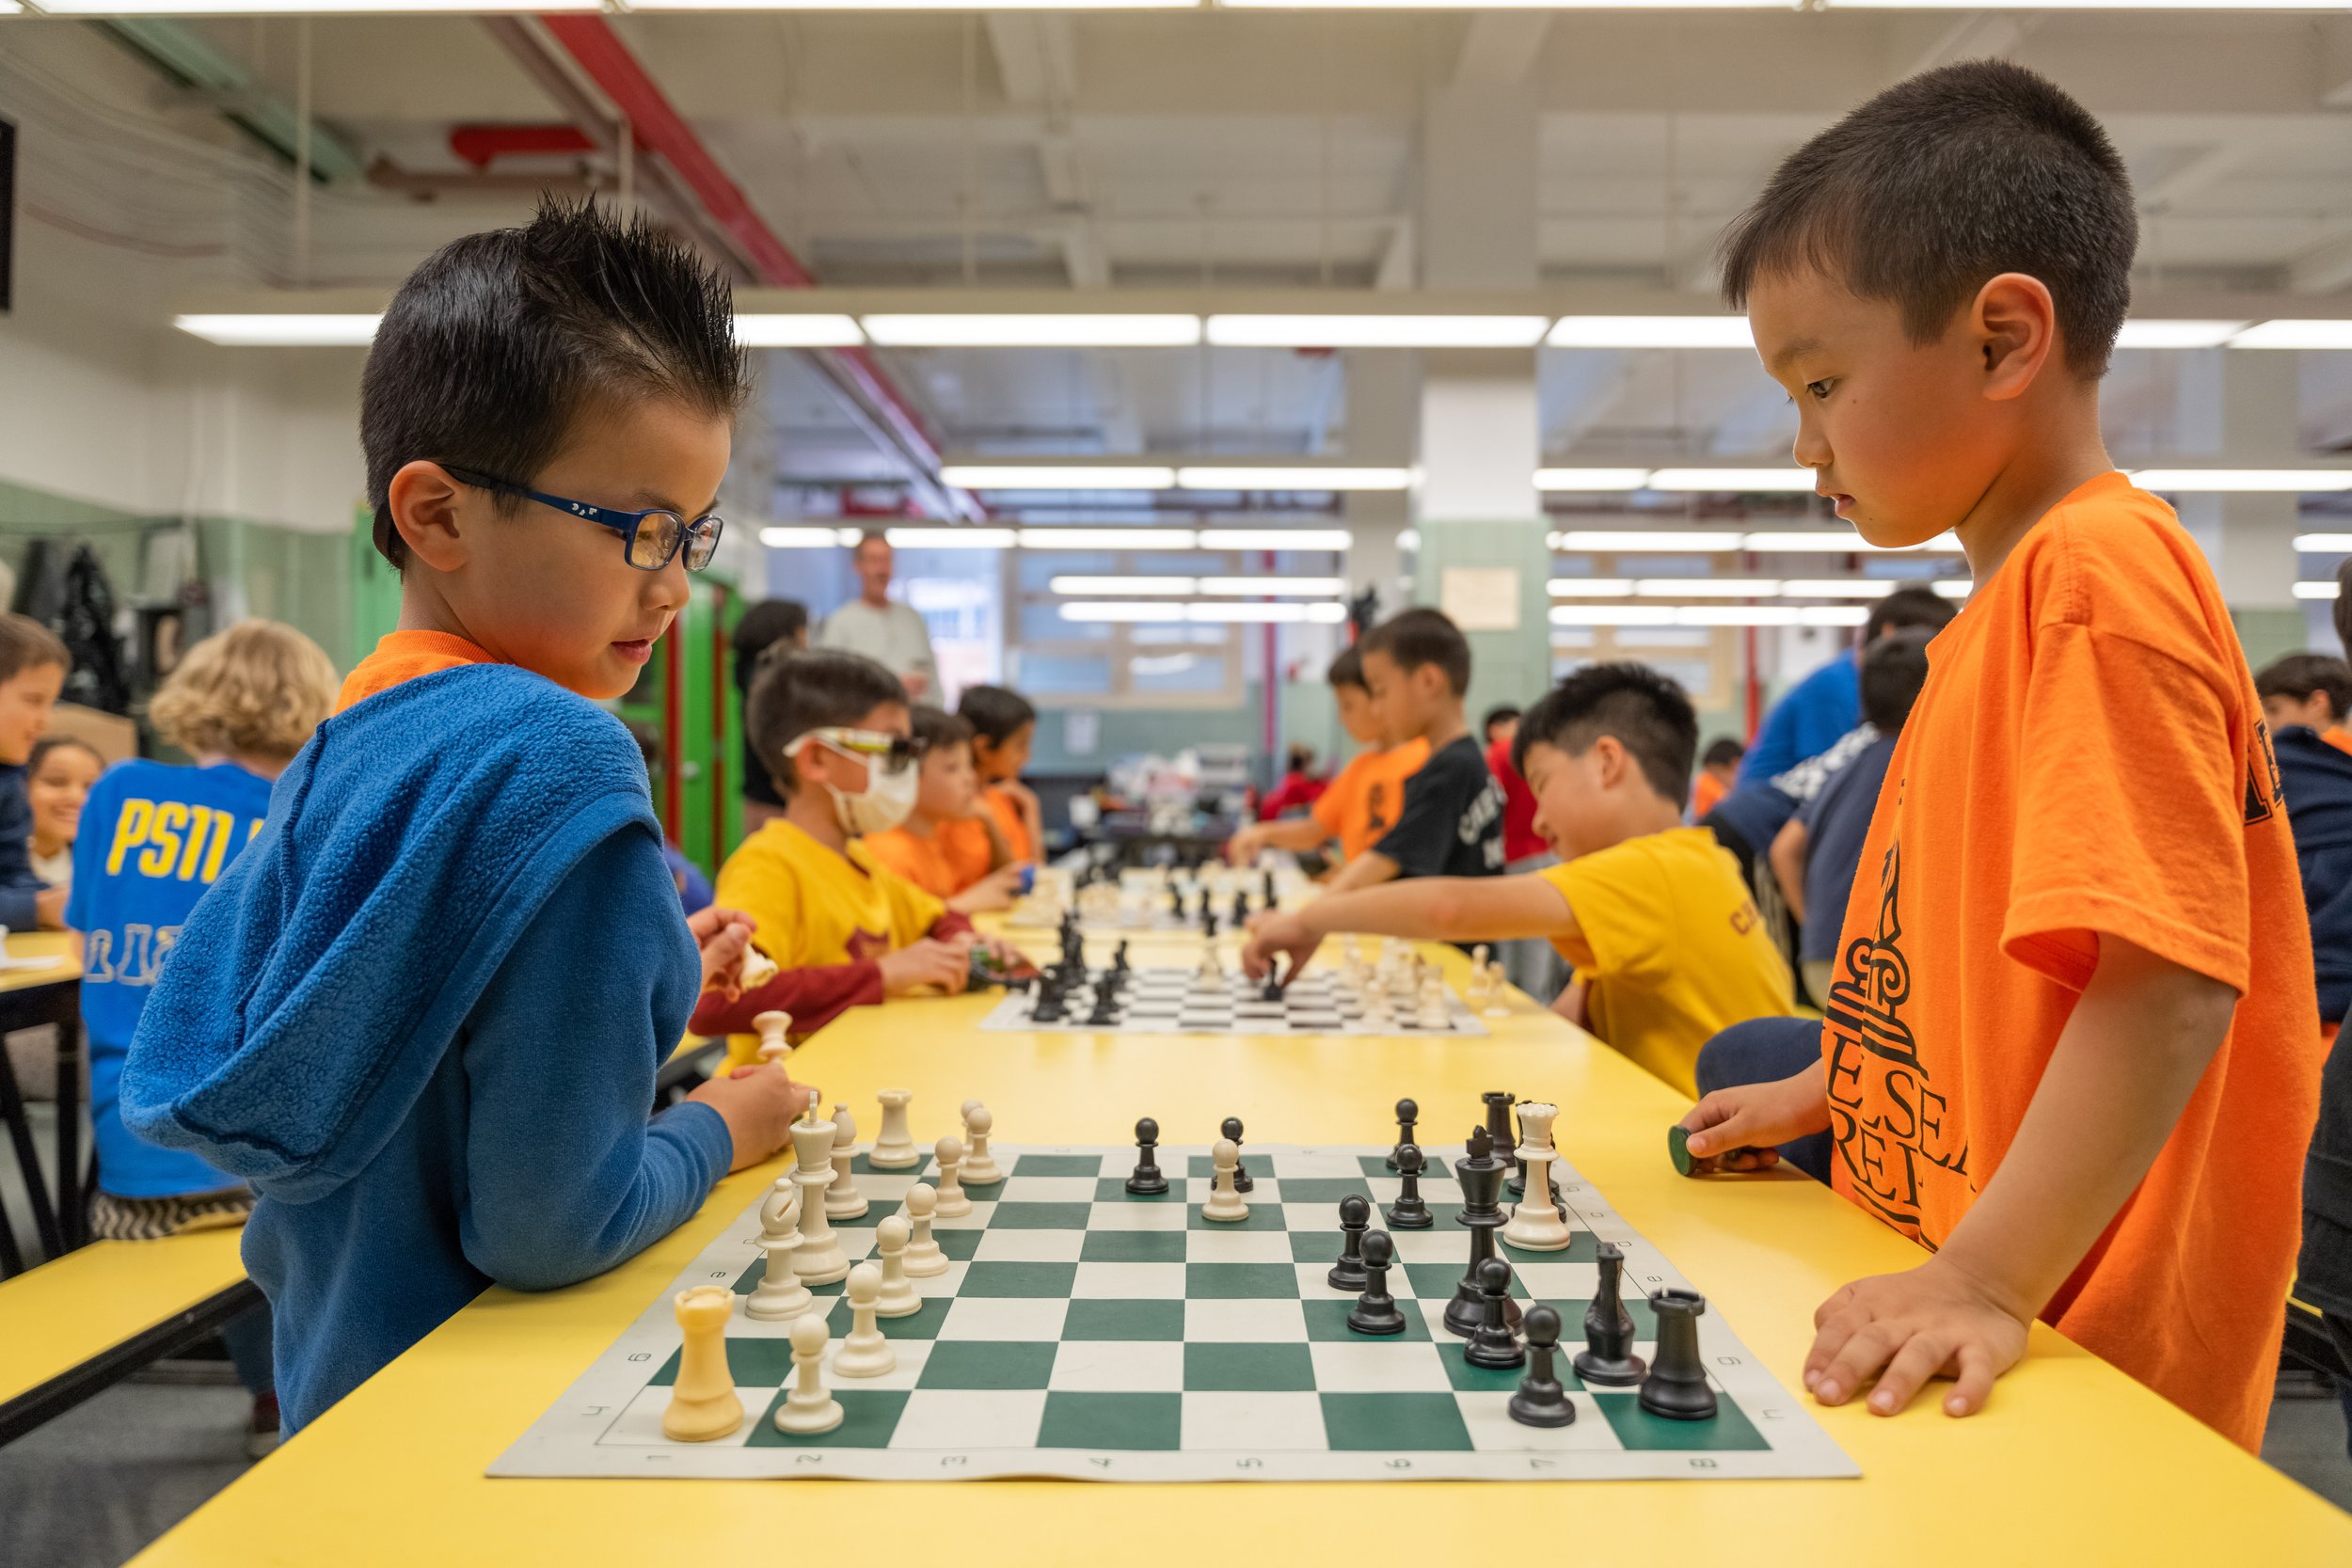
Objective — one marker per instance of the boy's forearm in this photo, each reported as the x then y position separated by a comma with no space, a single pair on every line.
1787,857
1292,833
1369,869
2125,1065
1446,909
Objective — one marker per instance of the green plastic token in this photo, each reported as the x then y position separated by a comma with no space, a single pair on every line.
1678,1147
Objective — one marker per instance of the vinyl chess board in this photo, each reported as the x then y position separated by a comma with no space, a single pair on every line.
1179,1002
1085,1334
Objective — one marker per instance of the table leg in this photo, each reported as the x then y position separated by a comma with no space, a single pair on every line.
29,1159
72,1201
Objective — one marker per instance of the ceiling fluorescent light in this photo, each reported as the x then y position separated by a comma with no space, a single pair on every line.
1240,612
1014,476
1954,588
784,329
2322,544
2177,334
1328,614
953,538
1610,540
1737,615
1377,331
1103,588
1707,588
1293,478
1080,609
787,538
1613,615
1590,588
1833,615
281,330
1107,539
1591,479
1650,332
1730,480
1837,588
2295,334
1280,588
2241,482
1274,539
2315,590
1043,330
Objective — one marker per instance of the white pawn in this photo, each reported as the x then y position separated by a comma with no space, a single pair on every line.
808,1409
897,1298
980,1167
779,1294
1497,991
924,1258
865,1353
843,1201
773,1026
1225,1201
952,1201
893,1149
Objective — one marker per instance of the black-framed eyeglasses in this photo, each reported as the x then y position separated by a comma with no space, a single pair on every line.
650,540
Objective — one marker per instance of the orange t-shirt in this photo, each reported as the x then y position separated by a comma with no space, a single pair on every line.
2089,756
1360,806
1008,814
941,863
400,655
2338,736
1704,793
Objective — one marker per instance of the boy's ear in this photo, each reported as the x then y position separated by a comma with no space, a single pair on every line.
425,504
2013,321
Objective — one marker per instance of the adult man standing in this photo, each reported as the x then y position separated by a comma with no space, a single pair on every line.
873,624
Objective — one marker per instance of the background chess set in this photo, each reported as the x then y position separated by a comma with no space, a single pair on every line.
1173,1001
1144,901
1083,1333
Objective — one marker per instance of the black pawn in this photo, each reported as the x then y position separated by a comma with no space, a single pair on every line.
1355,1219
1269,901
1677,1385
1208,918
1493,1344
1408,1114
1374,1311
1176,902
1411,1212
1607,1357
1231,1129
1499,1103
1541,1402
1106,1007
1118,957
1241,909
1272,990
1147,1180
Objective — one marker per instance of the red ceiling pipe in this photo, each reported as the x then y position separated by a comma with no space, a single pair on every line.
479,144
658,126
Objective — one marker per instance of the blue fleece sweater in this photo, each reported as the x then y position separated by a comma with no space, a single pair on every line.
422,1014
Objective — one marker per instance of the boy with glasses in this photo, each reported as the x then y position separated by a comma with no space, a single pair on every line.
420,1012
836,735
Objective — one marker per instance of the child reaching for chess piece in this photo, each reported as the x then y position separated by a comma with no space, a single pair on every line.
1654,916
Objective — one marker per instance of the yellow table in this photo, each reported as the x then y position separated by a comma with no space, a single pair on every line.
2070,1460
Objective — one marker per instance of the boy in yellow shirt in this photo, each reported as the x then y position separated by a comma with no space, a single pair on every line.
1362,805
834,731
949,845
1667,945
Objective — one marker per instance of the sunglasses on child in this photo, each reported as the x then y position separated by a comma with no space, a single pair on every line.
650,540
892,752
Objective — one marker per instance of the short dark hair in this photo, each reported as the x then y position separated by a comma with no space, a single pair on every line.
1723,753
1946,179
1502,713
769,622
26,644
1648,712
1421,635
2298,675
1893,671
495,345
996,713
807,690
938,729
1913,605
48,744
1348,669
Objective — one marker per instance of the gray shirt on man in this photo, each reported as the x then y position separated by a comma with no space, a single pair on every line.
892,637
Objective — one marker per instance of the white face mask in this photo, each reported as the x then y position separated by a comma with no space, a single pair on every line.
884,802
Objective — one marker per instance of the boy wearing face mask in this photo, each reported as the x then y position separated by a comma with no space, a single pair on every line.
834,731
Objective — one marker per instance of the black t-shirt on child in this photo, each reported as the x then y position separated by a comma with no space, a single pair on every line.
1451,824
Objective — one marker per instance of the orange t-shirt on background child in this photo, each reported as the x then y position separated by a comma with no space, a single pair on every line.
1360,806
2089,756
943,863
1007,811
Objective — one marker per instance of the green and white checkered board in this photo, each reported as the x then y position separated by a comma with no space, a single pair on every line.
1174,1001
1083,1333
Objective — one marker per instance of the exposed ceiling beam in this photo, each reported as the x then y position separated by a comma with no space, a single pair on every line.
2324,267
1974,36
1037,63
1500,48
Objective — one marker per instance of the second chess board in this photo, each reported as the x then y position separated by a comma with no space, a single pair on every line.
1184,1002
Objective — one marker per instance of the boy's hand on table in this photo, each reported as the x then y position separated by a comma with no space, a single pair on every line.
759,1103
995,891
1736,1129
1932,1321
1273,932
723,936
925,963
